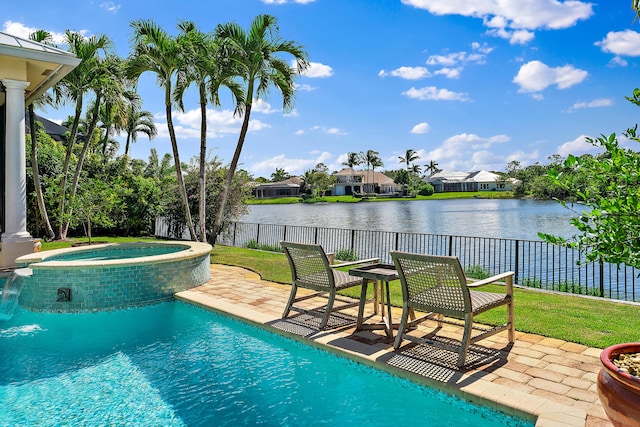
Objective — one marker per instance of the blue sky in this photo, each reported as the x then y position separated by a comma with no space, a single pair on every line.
470,85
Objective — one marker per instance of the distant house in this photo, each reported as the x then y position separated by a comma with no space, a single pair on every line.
449,181
287,188
55,131
350,182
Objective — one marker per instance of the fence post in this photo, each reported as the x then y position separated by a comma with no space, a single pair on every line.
353,239
284,237
315,237
396,244
258,235
601,278
517,261
450,246
235,224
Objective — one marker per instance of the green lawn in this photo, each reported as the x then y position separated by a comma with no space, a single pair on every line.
351,199
592,322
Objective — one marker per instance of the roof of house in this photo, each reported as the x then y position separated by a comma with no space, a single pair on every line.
368,177
45,65
294,181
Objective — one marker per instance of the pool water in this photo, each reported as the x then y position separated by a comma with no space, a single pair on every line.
173,364
118,252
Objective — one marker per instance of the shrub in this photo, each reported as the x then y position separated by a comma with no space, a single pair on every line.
346,255
426,190
253,244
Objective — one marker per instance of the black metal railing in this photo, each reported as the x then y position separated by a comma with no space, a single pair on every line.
536,263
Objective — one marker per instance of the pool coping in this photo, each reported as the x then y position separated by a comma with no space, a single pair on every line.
544,411
192,250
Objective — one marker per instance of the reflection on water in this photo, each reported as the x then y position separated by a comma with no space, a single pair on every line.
508,219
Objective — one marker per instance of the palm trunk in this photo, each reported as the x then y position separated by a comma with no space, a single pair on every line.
36,176
176,159
65,168
224,196
203,163
76,175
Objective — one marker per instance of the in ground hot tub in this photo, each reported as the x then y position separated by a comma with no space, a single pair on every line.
112,276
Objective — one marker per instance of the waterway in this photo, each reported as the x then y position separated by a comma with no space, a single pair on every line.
498,218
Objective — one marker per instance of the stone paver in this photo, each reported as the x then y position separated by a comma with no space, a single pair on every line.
551,378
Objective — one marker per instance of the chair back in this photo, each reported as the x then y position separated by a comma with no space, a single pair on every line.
433,283
310,266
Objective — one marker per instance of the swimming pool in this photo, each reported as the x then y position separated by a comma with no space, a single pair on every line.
173,364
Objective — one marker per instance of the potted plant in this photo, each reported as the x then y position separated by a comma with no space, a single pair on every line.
619,383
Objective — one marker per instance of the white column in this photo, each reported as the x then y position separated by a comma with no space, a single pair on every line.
15,218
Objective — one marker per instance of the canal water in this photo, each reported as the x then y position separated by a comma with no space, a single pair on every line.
497,218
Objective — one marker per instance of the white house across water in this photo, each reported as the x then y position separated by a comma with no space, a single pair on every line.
27,70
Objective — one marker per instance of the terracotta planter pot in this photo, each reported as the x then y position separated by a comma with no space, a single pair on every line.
619,391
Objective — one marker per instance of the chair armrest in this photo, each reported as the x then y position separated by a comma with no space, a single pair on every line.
491,279
360,261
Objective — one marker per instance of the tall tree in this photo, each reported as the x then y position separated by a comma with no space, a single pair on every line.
205,67
138,121
73,87
40,36
372,159
107,87
432,167
280,175
409,157
157,52
353,159
257,64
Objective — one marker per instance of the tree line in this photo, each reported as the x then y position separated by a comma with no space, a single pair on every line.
102,89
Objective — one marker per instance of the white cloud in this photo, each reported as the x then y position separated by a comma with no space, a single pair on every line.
432,93
535,76
514,20
421,128
408,73
450,73
600,102
316,70
292,166
260,106
625,43
20,30
219,124
328,130
299,132
577,147
110,6
304,87
617,61
469,152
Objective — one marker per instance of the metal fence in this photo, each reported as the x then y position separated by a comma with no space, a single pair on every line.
535,263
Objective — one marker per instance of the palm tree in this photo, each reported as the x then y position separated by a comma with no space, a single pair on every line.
39,36
409,157
432,167
372,159
353,159
202,67
157,52
138,121
72,88
107,87
280,175
255,62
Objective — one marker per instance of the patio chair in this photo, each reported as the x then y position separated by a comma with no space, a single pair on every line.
437,285
311,269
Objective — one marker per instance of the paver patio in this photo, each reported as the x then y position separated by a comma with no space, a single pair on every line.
553,379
